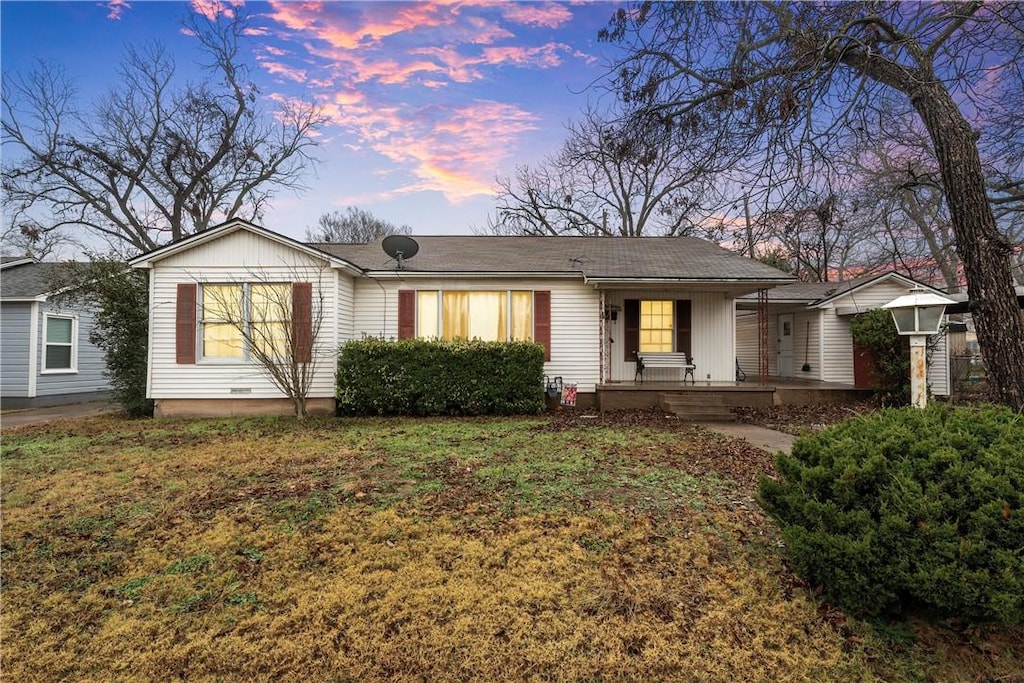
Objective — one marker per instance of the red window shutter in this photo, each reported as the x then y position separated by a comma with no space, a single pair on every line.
542,321
302,321
185,324
406,313
683,334
631,343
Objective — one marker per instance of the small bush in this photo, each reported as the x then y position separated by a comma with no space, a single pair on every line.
419,377
907,509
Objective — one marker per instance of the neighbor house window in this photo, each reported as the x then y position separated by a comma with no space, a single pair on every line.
233,313
657,325
60,353
486,315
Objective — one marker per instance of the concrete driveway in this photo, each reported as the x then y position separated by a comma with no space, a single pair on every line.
18,418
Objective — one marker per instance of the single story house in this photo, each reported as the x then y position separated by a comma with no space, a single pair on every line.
809,331
592,302
46,357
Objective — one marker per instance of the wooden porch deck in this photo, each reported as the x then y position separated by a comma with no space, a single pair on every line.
777,391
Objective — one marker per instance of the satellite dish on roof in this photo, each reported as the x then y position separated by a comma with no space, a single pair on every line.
400,247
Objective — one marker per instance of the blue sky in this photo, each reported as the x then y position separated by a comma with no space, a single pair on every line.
428,102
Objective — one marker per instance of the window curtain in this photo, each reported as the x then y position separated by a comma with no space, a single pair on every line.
222,315
271,308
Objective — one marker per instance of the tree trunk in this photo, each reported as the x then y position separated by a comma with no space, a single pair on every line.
985,253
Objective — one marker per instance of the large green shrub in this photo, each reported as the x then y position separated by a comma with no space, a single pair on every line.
419,377
909,509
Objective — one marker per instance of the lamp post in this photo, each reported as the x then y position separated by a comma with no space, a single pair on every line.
917,315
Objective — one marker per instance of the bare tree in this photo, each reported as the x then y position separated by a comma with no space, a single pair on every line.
152,161
615,175
814,71
355,225
275,323
823,240
29,237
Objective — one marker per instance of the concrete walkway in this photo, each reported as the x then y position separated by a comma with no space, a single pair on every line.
759,437
33,416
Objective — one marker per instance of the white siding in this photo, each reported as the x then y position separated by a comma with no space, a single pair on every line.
746,343
575,318
806,347
839,340
938,365
838,346
837,364
238,257
346,308
712,335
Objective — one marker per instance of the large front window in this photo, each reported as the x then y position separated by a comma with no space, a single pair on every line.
490,316
238,319
657,325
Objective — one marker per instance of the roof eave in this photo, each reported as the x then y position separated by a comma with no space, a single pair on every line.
147,260
403,274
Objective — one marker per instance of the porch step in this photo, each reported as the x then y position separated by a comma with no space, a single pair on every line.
697,407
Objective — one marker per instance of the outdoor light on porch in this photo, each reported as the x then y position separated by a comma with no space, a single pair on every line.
917,315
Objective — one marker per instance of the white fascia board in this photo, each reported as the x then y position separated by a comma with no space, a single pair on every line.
147,260
19,262
23,299
827,301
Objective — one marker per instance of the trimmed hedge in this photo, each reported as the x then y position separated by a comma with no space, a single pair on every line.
907,509
419,377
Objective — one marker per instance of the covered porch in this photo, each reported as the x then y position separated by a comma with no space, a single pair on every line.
671,318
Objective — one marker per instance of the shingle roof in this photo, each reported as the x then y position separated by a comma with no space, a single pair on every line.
28,280
684,258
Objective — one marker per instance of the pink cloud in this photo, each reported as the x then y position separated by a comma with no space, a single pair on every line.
451,151
546,15
278,69
374,62
115,8
211,9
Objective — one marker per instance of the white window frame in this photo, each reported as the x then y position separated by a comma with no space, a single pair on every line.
246,357
73,370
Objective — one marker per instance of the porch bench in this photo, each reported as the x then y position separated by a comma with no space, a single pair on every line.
665,359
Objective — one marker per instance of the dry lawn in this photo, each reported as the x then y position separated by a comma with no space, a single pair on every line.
409,550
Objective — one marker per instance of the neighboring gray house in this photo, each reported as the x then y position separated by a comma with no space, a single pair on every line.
45,354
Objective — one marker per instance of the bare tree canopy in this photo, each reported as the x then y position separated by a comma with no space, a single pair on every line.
355,225
617,175
153,160
802,77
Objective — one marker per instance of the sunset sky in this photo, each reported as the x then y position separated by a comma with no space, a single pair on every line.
428,101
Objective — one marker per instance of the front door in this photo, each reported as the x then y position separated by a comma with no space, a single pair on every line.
785,352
